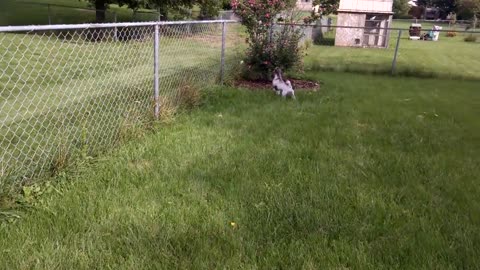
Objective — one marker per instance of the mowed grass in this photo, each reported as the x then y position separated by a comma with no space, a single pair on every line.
446,58
36,12
428,25
59,91
370,172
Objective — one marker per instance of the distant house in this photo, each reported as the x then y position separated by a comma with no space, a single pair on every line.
305,5
374,15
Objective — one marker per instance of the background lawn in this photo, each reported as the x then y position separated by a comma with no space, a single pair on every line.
63,93
447,58
370,172
28,12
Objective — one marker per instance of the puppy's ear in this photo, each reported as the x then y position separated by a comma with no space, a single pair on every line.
273,75
289,83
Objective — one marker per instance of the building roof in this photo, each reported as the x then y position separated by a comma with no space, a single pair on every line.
366,6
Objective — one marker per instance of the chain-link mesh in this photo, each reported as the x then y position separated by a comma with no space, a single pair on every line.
68,93
236,45
451,54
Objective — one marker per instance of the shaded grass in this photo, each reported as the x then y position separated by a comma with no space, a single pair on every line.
370,172
28,12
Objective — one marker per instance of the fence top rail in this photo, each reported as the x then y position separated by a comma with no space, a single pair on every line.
432,21
382,28
29,28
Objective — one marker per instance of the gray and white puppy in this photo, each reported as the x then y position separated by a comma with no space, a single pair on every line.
282,87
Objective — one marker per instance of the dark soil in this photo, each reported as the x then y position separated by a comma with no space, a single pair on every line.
298,85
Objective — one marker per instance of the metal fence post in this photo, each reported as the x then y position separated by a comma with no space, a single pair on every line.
156,91
49,15
394,63
115,33
224,39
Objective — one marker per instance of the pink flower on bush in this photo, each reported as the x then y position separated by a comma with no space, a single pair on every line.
267,48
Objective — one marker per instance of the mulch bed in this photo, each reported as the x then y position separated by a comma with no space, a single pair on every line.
298,85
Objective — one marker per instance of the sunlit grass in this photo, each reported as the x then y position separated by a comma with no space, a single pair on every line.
369,172
449,57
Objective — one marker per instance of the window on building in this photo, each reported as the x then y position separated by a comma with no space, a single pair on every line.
375,33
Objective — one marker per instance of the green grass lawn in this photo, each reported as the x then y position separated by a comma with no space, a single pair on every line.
446,58
370,172
427,25
28,12
59,92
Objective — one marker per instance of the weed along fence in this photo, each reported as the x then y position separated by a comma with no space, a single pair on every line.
69,91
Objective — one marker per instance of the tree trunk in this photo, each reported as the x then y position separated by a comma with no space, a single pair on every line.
100,10
475,21
163,13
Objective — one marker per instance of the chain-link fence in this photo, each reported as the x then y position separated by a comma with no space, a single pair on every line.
457,25
77,90
420,50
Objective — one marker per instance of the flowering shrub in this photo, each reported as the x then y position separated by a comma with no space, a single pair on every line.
269,46
451,34
326,6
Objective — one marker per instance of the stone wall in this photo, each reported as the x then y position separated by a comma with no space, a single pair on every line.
347,36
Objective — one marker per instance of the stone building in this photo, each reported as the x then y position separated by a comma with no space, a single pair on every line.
376,15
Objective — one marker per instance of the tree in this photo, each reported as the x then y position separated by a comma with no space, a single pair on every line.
472,7
226,5
162,5
101,6
400,8
165,5
209,8
445,6
327,6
